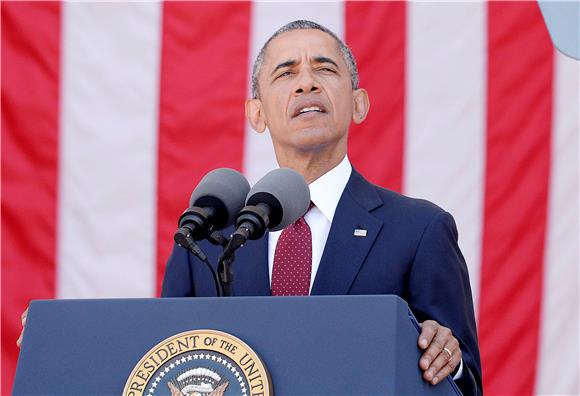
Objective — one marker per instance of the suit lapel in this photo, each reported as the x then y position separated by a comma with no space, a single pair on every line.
345,252
251,277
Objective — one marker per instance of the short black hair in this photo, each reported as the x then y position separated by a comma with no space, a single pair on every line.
303,25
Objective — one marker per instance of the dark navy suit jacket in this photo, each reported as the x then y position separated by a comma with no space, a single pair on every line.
410,250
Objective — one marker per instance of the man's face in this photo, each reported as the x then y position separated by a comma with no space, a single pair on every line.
306,96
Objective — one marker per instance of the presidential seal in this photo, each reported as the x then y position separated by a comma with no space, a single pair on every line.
199,363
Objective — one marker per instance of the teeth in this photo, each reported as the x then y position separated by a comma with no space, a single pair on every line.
307,109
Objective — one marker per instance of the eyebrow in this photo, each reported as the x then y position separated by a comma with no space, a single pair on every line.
293,62
288,63
324,59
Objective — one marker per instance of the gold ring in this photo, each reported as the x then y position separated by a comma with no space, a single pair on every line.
448,352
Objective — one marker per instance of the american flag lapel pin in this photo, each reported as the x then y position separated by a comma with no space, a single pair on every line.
359,232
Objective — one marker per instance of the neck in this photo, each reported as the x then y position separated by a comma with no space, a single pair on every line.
311,165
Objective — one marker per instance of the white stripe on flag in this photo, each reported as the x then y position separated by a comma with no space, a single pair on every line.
266,19
445,116
110,67
558,359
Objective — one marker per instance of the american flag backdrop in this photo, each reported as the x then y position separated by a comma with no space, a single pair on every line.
112,112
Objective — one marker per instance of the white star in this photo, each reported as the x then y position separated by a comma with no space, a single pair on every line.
172,365
162,374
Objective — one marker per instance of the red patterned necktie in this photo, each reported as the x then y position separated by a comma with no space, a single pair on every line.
293,260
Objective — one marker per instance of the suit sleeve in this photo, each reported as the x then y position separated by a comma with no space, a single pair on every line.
439,290
178,281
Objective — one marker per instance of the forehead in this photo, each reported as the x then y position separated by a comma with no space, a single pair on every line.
300,44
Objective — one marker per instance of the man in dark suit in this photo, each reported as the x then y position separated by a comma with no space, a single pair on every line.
361,239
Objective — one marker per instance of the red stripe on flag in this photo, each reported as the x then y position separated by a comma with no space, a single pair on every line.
376,33
516,192
30,93
204,71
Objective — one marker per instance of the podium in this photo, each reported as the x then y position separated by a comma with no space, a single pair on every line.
316,345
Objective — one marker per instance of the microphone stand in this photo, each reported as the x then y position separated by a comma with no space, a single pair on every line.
227,257
187,242
223,278
225,274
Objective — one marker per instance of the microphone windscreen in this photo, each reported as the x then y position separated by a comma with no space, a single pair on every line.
223,189
287,194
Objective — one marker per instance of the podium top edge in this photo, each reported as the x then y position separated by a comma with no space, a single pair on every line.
370,297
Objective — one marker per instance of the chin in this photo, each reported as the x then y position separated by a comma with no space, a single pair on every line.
313,141
313,138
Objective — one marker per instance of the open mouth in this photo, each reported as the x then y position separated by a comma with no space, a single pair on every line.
309,109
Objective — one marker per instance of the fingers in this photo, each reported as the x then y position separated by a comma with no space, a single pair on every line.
445,363
442,352
428,331
23,317
438,337
23,320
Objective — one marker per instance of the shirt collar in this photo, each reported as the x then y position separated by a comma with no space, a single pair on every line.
325,192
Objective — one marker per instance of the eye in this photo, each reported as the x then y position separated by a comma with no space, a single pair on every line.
284,74
327,69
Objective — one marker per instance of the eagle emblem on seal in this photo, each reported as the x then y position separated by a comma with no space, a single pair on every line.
199,381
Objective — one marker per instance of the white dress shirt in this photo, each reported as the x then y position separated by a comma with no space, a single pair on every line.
325,192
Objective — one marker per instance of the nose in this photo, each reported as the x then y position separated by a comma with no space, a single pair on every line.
306,83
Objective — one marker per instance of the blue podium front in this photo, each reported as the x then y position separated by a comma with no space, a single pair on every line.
323,345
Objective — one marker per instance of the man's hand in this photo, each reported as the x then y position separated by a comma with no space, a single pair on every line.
442,353
23,319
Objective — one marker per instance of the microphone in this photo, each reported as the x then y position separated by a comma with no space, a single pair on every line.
214,203
279,199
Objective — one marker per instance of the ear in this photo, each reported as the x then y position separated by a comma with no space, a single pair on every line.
255,115
361,105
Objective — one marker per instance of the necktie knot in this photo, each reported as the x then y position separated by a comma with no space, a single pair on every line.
301,219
